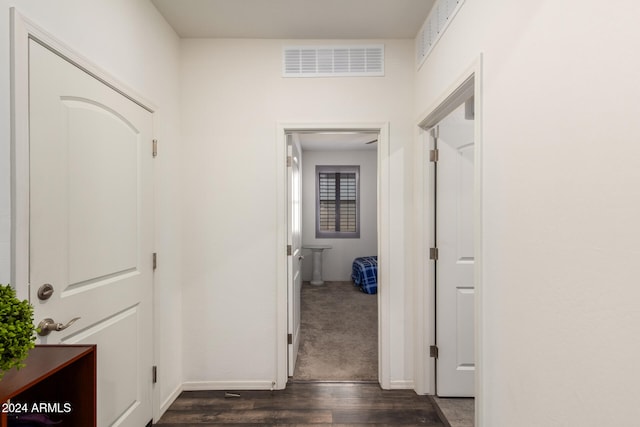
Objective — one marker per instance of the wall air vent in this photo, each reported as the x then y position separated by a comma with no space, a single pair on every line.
441,15
333,61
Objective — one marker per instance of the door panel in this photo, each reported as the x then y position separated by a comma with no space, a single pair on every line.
91,227
295,240
102,200
118,392
455,265
465,359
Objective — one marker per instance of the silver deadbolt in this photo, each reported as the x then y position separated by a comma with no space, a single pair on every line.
45,291
47,325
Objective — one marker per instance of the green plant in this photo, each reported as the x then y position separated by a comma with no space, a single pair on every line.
16,329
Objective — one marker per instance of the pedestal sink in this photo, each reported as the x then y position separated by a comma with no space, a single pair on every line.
317,250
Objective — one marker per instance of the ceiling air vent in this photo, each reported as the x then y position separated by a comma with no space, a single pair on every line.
441,15
337,61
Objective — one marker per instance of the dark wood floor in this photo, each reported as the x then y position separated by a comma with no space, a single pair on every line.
304,404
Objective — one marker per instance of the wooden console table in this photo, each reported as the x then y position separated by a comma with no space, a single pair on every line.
58,381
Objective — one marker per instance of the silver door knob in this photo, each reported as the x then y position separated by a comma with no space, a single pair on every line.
47,325
301,257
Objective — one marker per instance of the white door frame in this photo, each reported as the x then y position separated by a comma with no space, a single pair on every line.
294,238
471,79
22,30
384,335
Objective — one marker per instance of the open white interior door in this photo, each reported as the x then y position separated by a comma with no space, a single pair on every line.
91,227
455,365
294,242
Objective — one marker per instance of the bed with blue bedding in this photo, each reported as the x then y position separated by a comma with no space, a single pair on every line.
364,273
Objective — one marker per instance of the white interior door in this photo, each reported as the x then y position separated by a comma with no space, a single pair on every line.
91,227
455,265
295,242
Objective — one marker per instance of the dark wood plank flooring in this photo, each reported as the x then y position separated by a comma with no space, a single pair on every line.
304,404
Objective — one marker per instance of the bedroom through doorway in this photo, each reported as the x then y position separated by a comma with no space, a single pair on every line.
337,193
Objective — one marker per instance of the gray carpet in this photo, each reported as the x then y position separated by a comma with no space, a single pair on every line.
339,334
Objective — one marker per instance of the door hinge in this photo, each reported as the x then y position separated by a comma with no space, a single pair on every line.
469,109
289,161
288,249
433,254
435,132
154,150
434,155
155,260
289,339
154,374
433,351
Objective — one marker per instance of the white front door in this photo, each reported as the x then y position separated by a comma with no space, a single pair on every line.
455,265
91,227
294,237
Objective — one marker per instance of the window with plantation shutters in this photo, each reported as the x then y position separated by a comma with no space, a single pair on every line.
337,201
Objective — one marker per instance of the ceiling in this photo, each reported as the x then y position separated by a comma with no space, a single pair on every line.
296,19
337,141
301,19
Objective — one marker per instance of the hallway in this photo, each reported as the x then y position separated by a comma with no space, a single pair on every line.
304,404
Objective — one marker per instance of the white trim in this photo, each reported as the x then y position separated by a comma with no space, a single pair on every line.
424,367
448,103
401,385
479,243
168,402
424,210
384,300
20,154
228,385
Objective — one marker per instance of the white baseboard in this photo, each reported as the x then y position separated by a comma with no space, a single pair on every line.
229,385
169,400
401,385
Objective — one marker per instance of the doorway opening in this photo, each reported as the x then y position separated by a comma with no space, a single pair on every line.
453,163
308,146
452,226
336,335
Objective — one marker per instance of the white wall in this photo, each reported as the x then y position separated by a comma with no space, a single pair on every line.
233,98
337,260
561,202
132,42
